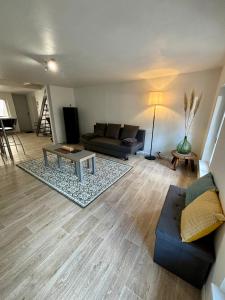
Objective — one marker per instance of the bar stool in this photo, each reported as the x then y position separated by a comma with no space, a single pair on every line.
10,129
2,150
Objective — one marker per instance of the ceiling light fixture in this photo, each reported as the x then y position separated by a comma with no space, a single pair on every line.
51,65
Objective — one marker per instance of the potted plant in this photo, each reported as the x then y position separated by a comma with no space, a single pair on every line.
191,107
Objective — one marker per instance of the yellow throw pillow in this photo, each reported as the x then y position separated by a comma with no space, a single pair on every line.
201,217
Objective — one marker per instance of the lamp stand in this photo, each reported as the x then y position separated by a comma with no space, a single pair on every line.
150,156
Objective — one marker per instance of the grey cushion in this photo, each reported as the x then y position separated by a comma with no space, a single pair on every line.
129,131
113,131
129,141
199,187
100,129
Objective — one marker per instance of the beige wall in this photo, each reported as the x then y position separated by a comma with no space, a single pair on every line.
127,103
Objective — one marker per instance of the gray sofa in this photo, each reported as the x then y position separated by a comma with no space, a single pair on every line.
190,261
113,146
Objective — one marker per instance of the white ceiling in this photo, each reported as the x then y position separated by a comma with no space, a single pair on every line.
109,40
8,86
15,89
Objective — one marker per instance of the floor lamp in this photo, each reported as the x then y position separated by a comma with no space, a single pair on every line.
155,99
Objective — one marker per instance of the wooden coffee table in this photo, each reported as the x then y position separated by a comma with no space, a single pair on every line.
78,158
191,157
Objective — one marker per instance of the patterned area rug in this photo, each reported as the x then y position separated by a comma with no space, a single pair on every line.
66,182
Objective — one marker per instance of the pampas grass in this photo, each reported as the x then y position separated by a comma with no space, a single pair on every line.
191,107
185,108
185,102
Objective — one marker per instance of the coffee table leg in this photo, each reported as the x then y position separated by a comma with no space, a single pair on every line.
79,170
45,157
75,168
93,165
59,161
88,163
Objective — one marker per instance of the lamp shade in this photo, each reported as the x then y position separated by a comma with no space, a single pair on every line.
155,98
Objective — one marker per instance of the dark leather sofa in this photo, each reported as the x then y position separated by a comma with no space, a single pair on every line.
190,261
113,146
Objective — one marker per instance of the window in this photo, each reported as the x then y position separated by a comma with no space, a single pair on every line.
3,109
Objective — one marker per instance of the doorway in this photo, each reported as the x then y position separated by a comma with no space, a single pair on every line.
22,112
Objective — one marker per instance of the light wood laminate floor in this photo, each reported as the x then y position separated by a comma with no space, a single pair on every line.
50,248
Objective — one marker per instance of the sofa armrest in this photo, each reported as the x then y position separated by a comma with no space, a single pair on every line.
141,136
190,261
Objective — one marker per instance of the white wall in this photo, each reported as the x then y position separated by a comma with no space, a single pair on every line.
221,80
39,94
217,167
215,118
9,101
59,97
127,103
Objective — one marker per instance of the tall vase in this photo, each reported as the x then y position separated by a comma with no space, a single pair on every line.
184,147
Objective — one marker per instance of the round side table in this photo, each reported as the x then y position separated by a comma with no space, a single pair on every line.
191,157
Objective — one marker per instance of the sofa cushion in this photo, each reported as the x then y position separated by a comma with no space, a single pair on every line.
201,185
129,131
113,131
129,141
100,129
201,217
113,144
168,227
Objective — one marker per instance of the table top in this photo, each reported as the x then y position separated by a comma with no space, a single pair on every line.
191,155
78,156
7,118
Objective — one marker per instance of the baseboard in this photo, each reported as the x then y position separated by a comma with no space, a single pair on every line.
164,155
142,152
203,293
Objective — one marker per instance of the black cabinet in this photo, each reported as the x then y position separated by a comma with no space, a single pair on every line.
71,125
